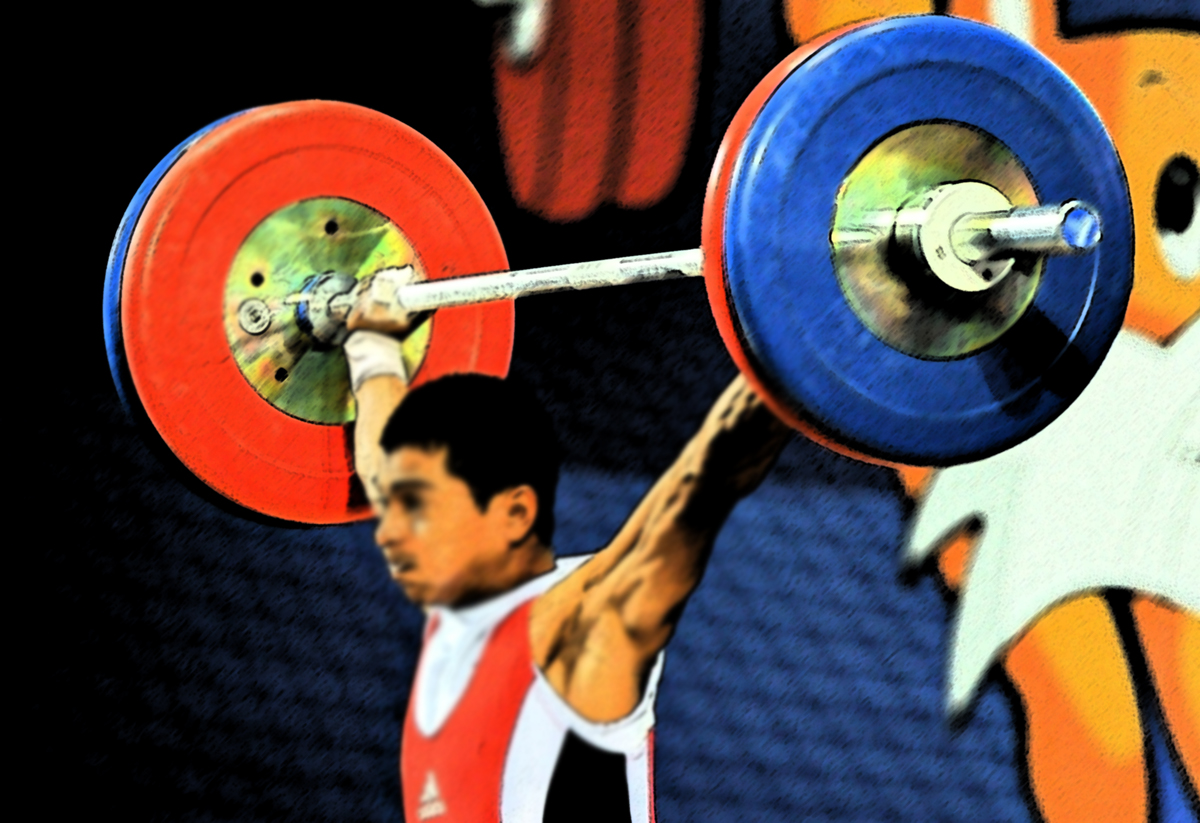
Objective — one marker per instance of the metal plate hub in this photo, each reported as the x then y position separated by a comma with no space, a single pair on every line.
277,319
893,292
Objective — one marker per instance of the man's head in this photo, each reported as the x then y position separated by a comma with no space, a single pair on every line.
470,476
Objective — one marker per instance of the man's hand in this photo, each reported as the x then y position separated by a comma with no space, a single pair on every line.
596,635
376,307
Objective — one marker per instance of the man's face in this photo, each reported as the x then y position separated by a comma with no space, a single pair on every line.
438,545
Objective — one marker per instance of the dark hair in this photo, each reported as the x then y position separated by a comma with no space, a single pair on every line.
496,433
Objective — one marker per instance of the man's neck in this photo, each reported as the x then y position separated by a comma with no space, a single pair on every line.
523,564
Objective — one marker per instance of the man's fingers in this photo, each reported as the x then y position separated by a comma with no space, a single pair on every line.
378,307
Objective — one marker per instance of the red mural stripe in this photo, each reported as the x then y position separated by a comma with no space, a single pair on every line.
670,38
590,82
519,93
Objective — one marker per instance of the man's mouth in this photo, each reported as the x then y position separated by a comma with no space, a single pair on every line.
401,565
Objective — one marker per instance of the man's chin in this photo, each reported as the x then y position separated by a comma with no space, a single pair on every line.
418,593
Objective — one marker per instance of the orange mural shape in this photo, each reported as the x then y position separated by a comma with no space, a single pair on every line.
1084,735
1171,638
806,20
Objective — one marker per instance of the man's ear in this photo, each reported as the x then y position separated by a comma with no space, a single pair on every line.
520,511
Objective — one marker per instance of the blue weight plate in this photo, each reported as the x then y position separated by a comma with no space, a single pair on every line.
113,343
806,342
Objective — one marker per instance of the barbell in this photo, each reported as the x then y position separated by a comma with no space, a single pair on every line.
916,244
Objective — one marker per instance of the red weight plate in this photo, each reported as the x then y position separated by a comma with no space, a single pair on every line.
181,251
713,242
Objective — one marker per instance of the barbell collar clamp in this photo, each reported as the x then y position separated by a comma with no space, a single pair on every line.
968,234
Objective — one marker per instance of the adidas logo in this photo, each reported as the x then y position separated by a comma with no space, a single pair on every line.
431,804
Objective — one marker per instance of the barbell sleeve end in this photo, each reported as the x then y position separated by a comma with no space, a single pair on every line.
1073,227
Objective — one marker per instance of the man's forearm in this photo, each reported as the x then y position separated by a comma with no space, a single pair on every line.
596,634
660,554
724,461
379,381
729,456
376,399
736,446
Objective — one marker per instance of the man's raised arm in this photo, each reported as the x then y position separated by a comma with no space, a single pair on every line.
378,376
595,636
376,398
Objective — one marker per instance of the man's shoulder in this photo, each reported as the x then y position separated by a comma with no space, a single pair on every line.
564,566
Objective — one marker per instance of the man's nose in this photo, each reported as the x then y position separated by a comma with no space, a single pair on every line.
392,528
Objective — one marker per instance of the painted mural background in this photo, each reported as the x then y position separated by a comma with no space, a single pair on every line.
187,662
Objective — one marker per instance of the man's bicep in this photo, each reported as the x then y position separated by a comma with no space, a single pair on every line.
596,634
654,563
623,732
589,656
591,583
602,627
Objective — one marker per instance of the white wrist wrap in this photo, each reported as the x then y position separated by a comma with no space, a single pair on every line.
371,354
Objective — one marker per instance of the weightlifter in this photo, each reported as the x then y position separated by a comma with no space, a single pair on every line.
534,694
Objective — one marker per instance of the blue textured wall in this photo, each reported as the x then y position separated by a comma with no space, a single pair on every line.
805,681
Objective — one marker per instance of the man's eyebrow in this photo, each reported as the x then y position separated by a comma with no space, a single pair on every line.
407,485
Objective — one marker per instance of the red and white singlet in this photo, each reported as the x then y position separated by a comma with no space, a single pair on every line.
487,738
